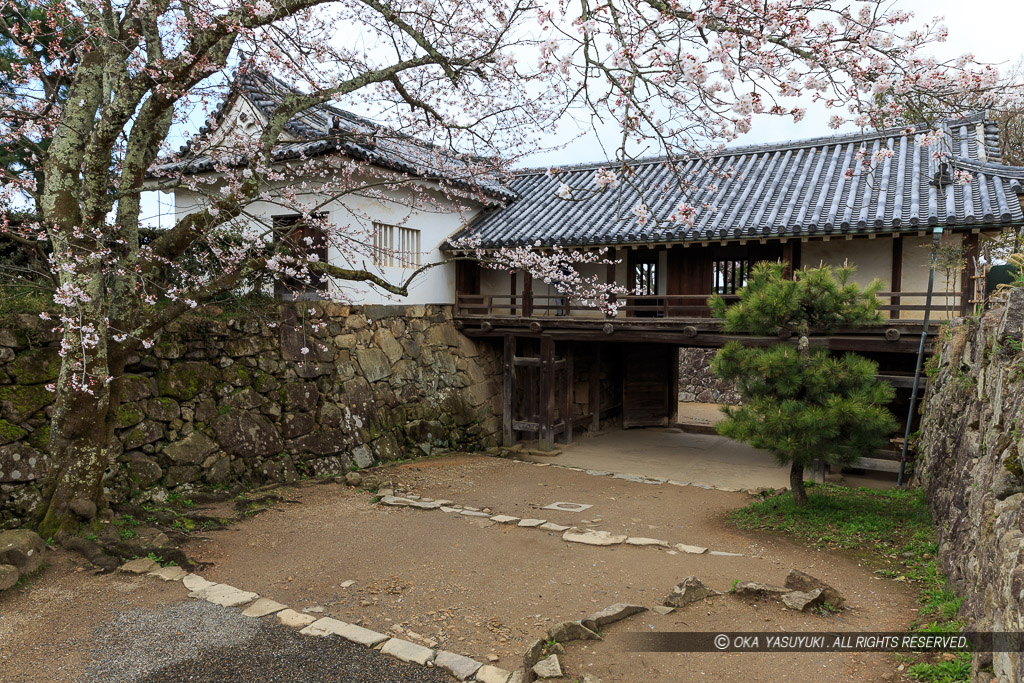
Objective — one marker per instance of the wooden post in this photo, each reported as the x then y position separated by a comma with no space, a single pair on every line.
513,292
509,395
967,277
567,397
594,402
527,295
610,276
897,274
547,393
673,387
787,257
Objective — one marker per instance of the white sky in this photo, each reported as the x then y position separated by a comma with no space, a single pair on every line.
989,29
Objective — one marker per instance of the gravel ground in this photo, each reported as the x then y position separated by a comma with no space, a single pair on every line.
198,641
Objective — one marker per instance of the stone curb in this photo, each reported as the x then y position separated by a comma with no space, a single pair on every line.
461,667
570,534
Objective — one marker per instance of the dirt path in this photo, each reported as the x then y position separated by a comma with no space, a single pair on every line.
483,589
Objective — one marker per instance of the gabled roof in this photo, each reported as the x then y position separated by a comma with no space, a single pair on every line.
798,188
326,129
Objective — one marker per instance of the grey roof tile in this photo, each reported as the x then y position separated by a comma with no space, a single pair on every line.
795,188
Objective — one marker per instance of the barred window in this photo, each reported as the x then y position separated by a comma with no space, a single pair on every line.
396,246
730,275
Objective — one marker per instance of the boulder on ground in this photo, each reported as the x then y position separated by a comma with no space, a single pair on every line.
611,614
548,667
22,548
755,589
801,601
688,591
800,581
568,631
8,576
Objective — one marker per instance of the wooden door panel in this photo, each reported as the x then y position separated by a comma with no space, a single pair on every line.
647,384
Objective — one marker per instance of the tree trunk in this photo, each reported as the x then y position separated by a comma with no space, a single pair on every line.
796,482
81,434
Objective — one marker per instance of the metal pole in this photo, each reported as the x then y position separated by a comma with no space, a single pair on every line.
936,237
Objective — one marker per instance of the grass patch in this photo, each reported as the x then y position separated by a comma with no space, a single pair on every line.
896,529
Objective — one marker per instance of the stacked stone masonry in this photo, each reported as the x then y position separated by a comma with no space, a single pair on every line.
970,464
223,400
698,384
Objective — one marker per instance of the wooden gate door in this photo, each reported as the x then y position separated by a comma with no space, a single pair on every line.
649,380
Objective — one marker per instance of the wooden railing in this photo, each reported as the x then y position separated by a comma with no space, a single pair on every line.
906,306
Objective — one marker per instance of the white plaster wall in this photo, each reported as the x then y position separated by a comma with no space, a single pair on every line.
873,258
354,215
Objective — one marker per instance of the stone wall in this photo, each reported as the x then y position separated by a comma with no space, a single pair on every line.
232,401
697,384
970,463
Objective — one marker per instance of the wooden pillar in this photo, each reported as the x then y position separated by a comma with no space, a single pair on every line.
509,395
610,276
897,274
567,396
787,258
547,393
527,295
594,401
673,388
513,292
967,277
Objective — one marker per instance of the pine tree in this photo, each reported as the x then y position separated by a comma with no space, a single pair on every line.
803,404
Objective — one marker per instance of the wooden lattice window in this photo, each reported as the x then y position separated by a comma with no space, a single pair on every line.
395,246
730,275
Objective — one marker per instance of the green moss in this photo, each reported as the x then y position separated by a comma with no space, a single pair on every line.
184,381
10,432
128,415
35,367
21,402
236,374
40,438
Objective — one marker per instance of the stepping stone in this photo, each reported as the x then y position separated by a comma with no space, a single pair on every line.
646,541
394,501
677,483
551,526
531,522
408,652
290,617
459,666
224,595
474,513
597,473
568,507
636,479
325,626
194,582
756,589
262,608
361,636
448,509
492,674
722,553
654,480
593,537
611,614
169,573
548,668
443,502
143,565
504,519
425,505
692,549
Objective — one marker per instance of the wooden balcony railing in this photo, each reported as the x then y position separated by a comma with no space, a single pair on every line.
904,306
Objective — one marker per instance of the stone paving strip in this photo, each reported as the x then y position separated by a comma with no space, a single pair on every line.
570,534
639,478
461,667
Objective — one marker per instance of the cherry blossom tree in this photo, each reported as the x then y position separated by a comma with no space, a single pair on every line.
460,90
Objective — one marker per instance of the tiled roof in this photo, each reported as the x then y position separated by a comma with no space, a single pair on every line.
798,188
325,129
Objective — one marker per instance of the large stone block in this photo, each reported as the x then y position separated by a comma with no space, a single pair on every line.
20,463
373,364
247,434
300,396
22,548
185,380
18,403
37,366
192,450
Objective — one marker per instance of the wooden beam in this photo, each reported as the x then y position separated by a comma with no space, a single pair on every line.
547,393
897,274
509,393
527,294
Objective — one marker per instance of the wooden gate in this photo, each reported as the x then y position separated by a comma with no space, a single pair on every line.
650,381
